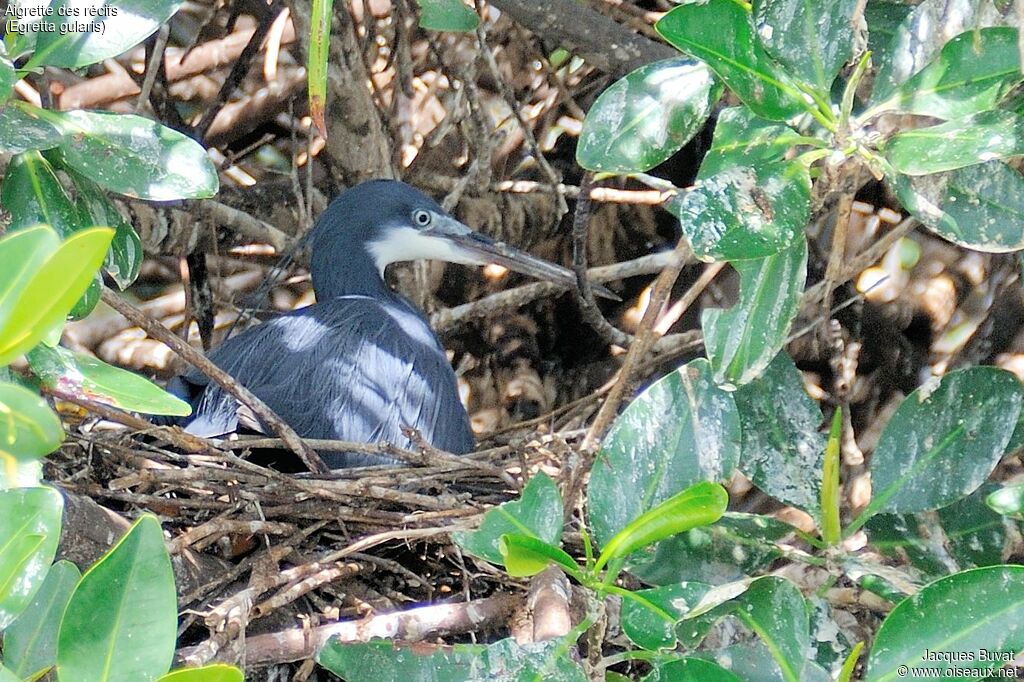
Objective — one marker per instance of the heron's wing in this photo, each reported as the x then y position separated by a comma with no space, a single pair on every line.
352,369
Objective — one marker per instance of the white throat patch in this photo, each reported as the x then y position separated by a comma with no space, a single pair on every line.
407,243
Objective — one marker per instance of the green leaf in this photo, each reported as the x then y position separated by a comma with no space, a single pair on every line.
124,259
884,18
87,377
525,555
89,31
980,206
382,660
742,341
943,441
690,670
973,73
744,139
1008,501
29,429
648,629
33,195
699,505
913,538
850,664
47,298
122,618
29,532
7,676
920,36
830,492
8,77
134,156
734,547
20,474
447,15
811,38
537,513
774,609
746,211
21,130
966,141
981,611
21,254
30,643
682,430
217,672
647,116
317,55
783,452
720,33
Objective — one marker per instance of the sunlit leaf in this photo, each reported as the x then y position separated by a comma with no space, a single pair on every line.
29,532
973,73
217,672
811,39
134,156
524,555
20,130
647,116
87,377
981,610
537,512
982,137
126,603
29,429
681,430
89,31
720,33
742,341
648,628
980,206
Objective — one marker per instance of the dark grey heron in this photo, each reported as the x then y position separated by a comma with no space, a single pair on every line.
362,362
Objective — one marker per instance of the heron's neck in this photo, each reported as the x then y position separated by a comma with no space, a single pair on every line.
347,270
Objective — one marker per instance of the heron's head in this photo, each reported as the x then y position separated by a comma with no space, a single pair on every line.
389,222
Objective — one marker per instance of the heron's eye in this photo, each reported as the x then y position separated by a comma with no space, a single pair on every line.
421,218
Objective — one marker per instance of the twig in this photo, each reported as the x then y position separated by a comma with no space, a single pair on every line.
156,56
161,333
589,310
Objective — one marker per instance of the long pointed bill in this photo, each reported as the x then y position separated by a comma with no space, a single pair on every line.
479,249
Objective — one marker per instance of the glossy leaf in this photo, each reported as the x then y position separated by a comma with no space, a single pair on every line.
911,538
524,555
921,35
216,672
8,77
21,130
737,545
21,253
720,33
647,116
135,156
774,609
943,441
699,505
8,676
29,532
744,139
121,621
647,628
681,430
1008,501
783,451
124,259
746,211
30,643
382,660
811,39
973,73
447,15
34,195
966,141
89,31
981,610
690,670
52,291
29,429
84,376
20,473
980,206
538,513
742,341
751,661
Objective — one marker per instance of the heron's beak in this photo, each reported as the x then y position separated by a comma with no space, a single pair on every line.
479,249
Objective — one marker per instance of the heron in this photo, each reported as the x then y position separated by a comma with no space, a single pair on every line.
362,362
